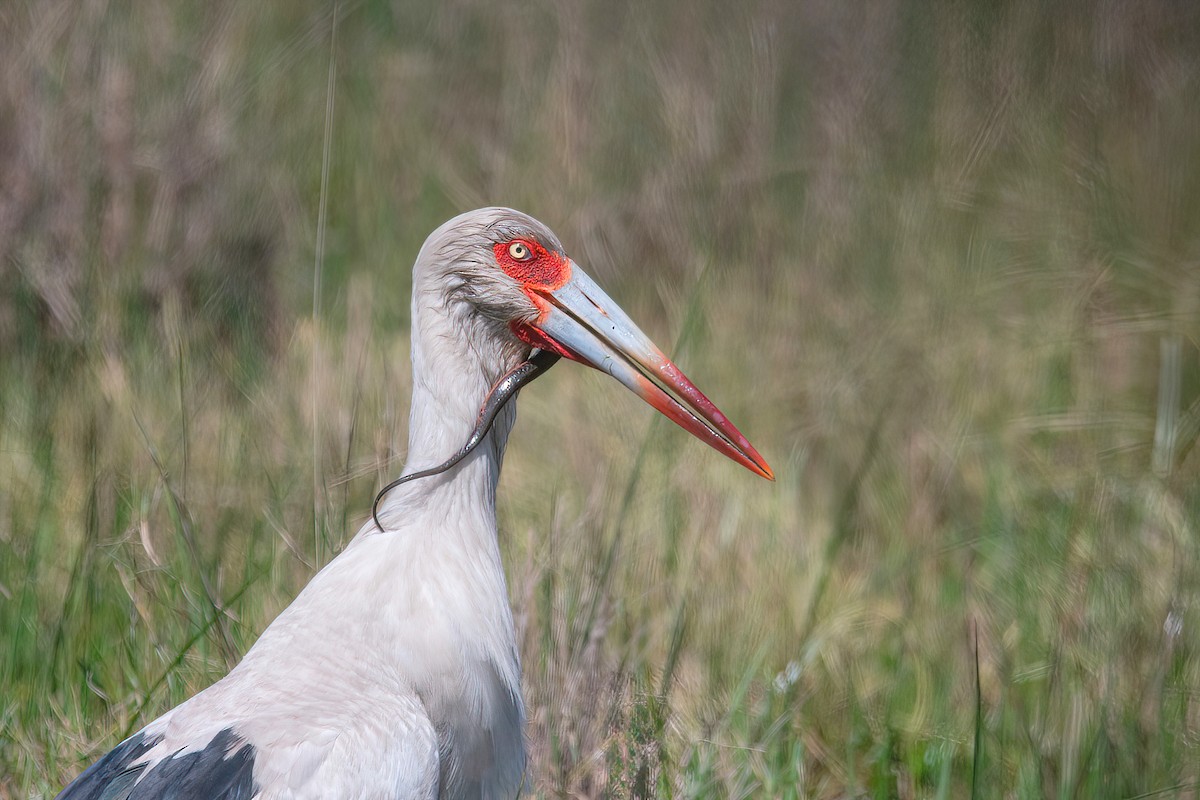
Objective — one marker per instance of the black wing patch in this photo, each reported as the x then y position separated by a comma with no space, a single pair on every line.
215,773
112,777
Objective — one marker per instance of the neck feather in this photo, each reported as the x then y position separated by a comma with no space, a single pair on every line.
457,357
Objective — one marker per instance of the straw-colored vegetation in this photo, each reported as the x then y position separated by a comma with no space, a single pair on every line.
940,261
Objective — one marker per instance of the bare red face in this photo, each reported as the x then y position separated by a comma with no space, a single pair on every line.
533,265
538,270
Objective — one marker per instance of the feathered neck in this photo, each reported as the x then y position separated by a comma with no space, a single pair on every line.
457,357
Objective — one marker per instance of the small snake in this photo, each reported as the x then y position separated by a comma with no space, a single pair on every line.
501,393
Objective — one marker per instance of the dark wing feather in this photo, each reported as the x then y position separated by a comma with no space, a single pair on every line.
112,777
220,771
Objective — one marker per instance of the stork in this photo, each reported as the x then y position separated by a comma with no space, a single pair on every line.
395,672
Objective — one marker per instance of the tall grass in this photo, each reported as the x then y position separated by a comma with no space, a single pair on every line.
940,261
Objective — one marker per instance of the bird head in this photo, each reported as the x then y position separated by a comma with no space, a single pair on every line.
513,271
508,272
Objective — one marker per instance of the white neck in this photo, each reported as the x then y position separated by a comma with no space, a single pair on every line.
440,544
451,380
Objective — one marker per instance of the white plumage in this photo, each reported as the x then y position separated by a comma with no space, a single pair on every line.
395,672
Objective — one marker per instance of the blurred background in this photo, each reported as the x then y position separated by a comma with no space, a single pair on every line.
940,261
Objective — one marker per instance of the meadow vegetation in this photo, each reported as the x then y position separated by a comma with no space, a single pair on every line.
940,261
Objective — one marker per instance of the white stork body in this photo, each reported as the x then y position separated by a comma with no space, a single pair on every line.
395,672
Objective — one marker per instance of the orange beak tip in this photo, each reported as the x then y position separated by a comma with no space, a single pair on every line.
762,468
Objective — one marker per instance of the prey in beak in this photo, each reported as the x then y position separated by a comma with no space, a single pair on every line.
576,320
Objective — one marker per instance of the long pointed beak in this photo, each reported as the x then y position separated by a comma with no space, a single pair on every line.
591,329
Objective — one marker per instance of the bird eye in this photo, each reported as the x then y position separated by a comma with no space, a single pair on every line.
519,251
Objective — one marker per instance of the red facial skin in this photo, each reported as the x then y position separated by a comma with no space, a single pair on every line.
544,271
